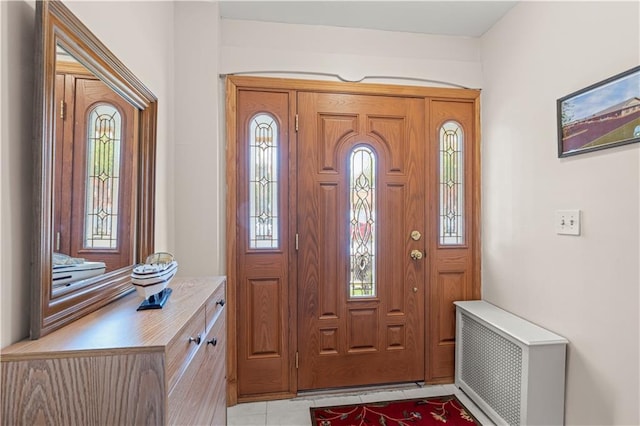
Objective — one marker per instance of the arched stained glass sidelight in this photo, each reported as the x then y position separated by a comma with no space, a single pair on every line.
104,139
263,182
452,220
362,241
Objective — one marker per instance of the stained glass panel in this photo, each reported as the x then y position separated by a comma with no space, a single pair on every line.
362,243
104,135
263,183
451,184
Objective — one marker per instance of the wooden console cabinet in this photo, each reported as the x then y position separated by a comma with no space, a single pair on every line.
122,366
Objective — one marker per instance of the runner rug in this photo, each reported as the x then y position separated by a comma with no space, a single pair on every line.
409,412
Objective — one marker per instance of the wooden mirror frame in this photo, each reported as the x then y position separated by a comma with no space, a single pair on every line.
55,24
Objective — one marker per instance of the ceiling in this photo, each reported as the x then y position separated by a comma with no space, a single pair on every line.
457,18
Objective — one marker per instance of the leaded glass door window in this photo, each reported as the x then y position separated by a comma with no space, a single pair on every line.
362,209
451,187
263,182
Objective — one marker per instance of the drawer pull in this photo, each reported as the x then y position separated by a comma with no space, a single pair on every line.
220,302
213,342
197,339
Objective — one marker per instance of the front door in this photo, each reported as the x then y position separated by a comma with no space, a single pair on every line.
352,227
361,217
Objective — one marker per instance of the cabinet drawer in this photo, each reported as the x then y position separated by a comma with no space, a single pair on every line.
199,397
182,349
215,304
219,375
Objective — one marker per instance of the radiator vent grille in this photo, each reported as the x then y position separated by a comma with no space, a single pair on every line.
488,354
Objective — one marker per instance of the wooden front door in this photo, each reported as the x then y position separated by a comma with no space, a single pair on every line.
332,188
361,217
263,345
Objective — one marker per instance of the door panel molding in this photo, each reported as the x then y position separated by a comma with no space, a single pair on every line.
264,325
337,127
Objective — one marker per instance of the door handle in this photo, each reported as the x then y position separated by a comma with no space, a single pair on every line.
416,254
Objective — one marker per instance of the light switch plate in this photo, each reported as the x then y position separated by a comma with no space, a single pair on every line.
567,222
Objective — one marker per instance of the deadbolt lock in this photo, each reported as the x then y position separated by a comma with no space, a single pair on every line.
416,235
416,254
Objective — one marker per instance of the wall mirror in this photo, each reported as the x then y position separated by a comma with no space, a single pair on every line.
95,138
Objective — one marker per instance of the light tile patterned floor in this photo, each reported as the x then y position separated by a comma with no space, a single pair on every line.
295,412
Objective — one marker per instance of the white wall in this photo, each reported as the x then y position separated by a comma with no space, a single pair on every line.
138,33
199,150
16,114
584,288
352,53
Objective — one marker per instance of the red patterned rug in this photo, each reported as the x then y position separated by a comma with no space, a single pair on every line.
409,412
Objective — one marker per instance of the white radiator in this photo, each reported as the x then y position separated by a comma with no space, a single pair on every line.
512,369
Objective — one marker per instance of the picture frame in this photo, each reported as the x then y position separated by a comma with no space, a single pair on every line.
603,115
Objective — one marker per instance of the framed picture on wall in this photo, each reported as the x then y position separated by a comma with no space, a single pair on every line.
603,115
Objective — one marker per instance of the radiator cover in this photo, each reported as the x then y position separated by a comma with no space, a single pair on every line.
512,369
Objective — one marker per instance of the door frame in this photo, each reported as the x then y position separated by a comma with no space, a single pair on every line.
235,83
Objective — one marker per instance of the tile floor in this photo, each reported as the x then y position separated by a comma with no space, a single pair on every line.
295,412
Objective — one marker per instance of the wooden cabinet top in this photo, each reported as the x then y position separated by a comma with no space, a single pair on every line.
119,326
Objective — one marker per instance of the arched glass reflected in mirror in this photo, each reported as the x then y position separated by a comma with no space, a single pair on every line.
95,172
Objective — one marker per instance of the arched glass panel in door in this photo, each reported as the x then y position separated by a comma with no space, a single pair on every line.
451,211
263,182
362,229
